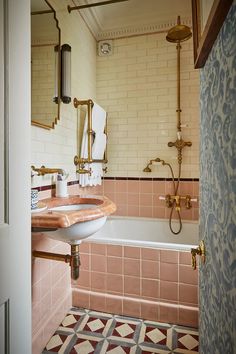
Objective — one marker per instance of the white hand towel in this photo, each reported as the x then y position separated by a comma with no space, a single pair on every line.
99,146
98,118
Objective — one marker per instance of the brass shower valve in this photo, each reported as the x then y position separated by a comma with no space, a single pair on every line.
171,199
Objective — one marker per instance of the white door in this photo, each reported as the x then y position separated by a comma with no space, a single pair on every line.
15,240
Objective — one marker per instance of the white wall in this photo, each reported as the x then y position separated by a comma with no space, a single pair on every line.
57,147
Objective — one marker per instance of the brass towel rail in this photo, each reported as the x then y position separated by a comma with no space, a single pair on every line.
80,161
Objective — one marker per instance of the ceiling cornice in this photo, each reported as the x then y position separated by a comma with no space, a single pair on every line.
163,26
93,22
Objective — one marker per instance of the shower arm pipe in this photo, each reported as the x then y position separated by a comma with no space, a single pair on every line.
81,7
178,110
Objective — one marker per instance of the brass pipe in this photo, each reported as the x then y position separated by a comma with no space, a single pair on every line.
80,7
178,110
54,256
90,130
73,259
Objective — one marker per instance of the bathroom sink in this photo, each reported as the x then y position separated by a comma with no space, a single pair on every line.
72,219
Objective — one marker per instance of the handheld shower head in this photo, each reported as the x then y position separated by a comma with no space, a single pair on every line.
147,169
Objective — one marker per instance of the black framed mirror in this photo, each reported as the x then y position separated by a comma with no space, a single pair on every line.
45,65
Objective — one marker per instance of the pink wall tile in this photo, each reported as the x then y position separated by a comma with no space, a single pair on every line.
114,304
188,294
169,313
81,298
109,186
146,187
133,199
188,316
132,252
132,267
84,247
150,254
84,280
115,250
98,263
159,187
145,200
131,307
132,285
121,186
133,210
133,186
187,275
98,281
85,261
185,258
121,198
150,288
97,302
150,269
145,211
114,265
167,256
169,272
115,283
150,310
97,248
159,212
186,188
169,291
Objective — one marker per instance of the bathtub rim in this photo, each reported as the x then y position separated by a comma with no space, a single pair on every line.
139,243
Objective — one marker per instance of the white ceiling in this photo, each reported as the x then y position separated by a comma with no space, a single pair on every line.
134,16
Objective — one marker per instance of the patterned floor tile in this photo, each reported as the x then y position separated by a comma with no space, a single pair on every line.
83,331
185,340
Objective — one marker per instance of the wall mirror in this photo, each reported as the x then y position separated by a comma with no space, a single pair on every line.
45,65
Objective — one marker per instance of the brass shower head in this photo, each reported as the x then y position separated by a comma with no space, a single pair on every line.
179,33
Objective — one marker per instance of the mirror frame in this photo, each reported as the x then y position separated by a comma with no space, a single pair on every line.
56,119
205,36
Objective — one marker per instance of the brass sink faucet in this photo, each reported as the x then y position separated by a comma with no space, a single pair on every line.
41,171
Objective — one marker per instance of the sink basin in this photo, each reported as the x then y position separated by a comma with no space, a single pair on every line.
73,207
72,219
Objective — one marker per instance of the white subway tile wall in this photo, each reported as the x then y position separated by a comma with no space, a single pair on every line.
137,86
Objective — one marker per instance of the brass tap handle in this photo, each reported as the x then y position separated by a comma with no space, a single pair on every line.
200,250
188,204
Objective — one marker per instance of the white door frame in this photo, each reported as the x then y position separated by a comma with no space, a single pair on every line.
15,222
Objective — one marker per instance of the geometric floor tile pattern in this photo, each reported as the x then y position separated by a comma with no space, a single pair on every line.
84,331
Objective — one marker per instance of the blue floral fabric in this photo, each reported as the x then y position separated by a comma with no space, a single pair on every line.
218,194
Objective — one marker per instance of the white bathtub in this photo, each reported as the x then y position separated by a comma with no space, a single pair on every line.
146,232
